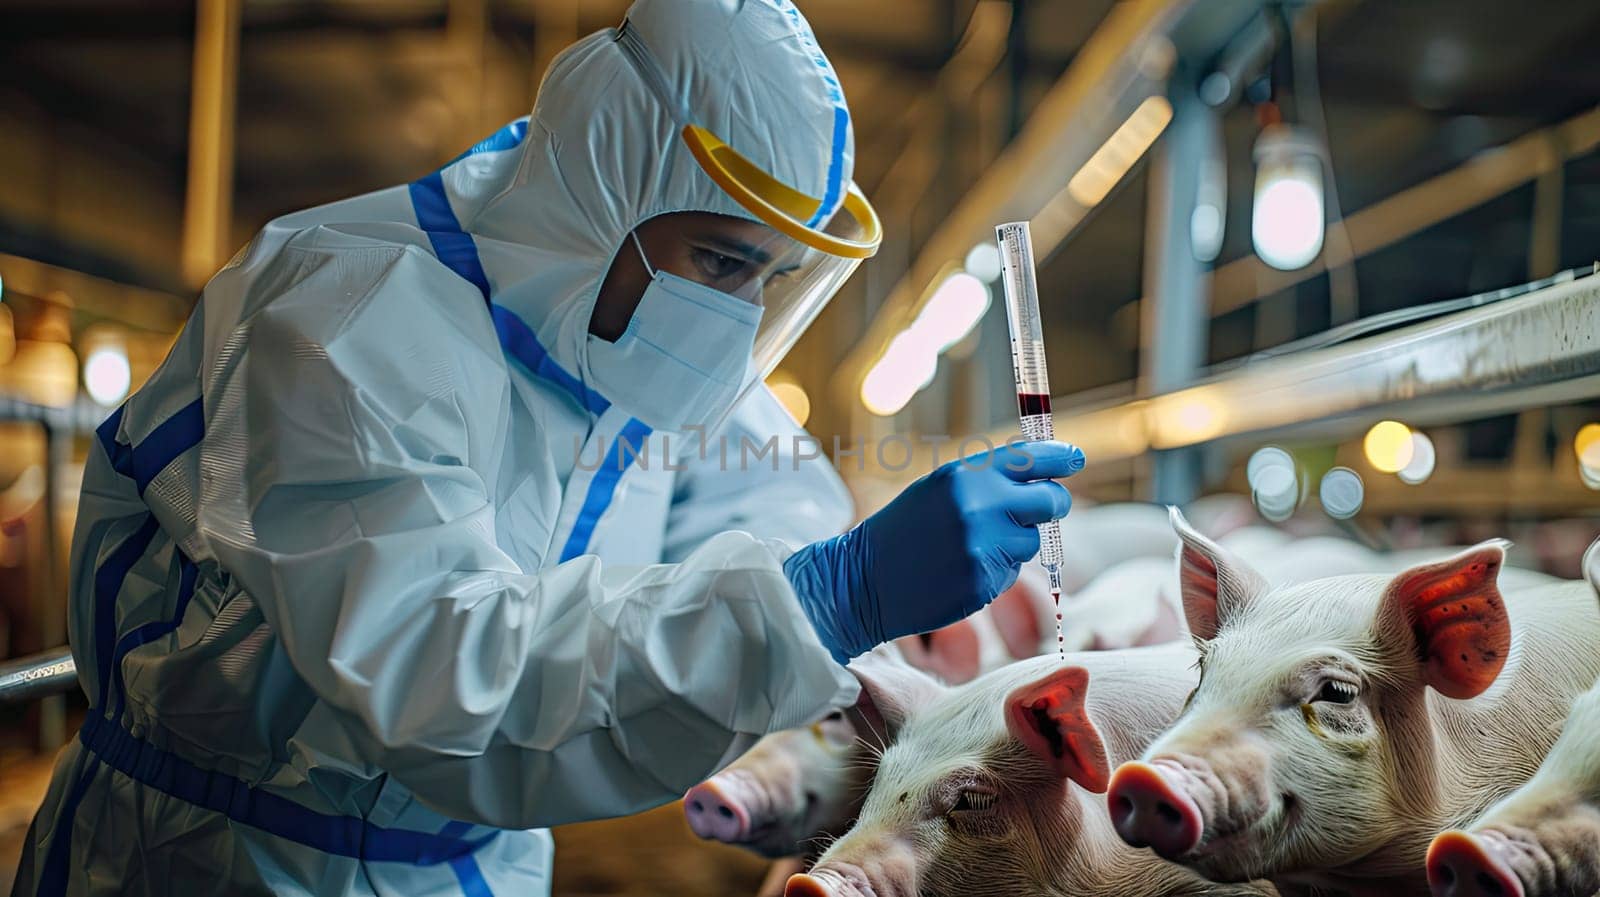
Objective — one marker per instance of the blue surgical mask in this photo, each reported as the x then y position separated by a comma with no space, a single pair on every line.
684,357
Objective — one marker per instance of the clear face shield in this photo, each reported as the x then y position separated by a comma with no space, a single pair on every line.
793,264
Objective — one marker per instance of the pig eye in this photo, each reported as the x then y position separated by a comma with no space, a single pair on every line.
1335,692
971,801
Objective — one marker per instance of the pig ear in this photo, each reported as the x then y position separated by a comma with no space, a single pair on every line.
1050,718
890,690
1456,619
1214,583
950,653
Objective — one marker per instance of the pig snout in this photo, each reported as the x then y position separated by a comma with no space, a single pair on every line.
844,880
823,885
721,809
1464,865
1149,811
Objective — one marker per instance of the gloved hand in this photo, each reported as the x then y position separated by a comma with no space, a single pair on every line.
939,552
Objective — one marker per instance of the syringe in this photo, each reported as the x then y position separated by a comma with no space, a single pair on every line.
1033,381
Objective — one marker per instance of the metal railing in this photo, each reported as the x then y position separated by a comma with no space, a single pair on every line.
37,676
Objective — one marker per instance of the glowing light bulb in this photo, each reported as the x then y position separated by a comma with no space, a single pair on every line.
952,311
1342,493
106,375
1587,444
1288,219
1274,483
906,366
792,396
1587,447
1420,467
983,261
45,372
1388,446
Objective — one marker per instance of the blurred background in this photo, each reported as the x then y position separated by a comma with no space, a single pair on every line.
1329,256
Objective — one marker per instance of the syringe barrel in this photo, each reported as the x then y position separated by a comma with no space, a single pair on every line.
1027,358
1050,553
1022,309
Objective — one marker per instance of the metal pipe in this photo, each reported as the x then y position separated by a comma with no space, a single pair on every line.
1118,68
1176,315
53,620
208,205
1538,348
37,675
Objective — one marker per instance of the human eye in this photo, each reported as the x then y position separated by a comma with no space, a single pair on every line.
716,265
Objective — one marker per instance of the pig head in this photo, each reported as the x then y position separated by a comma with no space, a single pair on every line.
791,788
1336,723
995,787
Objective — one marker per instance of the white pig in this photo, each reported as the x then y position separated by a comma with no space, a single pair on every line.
1097,538
798,786
791,787
1543,840
994,787
1338,724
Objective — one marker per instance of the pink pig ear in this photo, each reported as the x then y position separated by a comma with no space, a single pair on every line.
951,653
1214,583
890,690
1456,619
1050,719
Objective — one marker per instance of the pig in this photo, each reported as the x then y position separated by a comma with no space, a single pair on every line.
1097,538
994,787
1137,602
1339,724
1006,630
1544,839
798,786
791,787
1129,605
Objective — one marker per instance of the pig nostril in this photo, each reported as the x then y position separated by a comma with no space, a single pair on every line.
725,812
1124,806
1168,813
1447,876
1488,884
697,806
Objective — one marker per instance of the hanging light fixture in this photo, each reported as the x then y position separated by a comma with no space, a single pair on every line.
1289,215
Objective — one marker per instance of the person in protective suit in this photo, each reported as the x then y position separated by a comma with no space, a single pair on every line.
432,531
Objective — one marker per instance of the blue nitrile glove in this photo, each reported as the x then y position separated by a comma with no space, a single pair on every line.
939,552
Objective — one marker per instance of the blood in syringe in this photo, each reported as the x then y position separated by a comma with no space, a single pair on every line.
1061,640
1032,403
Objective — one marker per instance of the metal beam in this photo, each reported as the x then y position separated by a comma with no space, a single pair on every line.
1107,80
1541,348
37,676
52,598
1485,176
208,207
1175,321
135,306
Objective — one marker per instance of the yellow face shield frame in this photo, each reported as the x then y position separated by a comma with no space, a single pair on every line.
798,268
854,233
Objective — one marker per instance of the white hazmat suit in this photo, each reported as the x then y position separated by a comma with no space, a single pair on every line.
356,606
